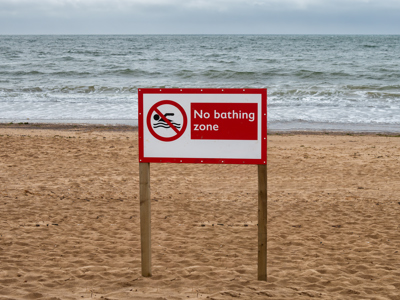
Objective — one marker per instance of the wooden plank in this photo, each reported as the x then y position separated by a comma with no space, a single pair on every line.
145,217
262,222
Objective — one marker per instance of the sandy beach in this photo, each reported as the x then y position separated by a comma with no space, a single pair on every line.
69,219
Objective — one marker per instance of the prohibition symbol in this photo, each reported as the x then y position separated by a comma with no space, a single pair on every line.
166,120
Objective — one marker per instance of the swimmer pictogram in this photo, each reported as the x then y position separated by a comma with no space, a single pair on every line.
163,123
166,120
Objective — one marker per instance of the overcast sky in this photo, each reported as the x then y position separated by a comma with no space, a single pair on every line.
199,16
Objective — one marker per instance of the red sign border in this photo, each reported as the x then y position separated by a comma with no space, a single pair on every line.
262,92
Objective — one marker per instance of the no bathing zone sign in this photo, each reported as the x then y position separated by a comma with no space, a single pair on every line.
203,126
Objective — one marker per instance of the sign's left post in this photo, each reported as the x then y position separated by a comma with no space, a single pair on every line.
145,217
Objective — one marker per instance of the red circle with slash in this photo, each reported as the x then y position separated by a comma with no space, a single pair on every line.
155,109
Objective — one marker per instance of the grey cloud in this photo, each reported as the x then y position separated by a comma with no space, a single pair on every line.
198,16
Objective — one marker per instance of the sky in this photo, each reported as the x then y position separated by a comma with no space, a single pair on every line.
199,16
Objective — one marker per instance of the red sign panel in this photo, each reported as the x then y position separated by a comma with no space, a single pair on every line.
224,121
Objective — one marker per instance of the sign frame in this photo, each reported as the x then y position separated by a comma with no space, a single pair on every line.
144,169
202,160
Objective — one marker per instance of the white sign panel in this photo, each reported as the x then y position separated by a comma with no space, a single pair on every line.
203,125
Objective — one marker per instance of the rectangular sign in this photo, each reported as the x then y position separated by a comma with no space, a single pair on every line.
226,126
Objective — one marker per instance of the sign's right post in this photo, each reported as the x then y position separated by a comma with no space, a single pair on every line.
262,222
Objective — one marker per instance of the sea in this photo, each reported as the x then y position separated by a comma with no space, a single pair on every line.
314,82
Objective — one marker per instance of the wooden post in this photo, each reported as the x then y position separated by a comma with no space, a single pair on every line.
262,222
145,217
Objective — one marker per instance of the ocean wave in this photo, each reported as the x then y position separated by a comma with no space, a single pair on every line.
86,52
33,74
228,74
71,90
276,93
131,72
394,87
382,95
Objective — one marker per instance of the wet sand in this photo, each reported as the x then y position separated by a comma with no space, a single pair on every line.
69,219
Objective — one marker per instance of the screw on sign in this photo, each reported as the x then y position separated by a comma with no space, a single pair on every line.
166,120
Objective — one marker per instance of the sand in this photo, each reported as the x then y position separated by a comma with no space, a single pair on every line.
69,219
